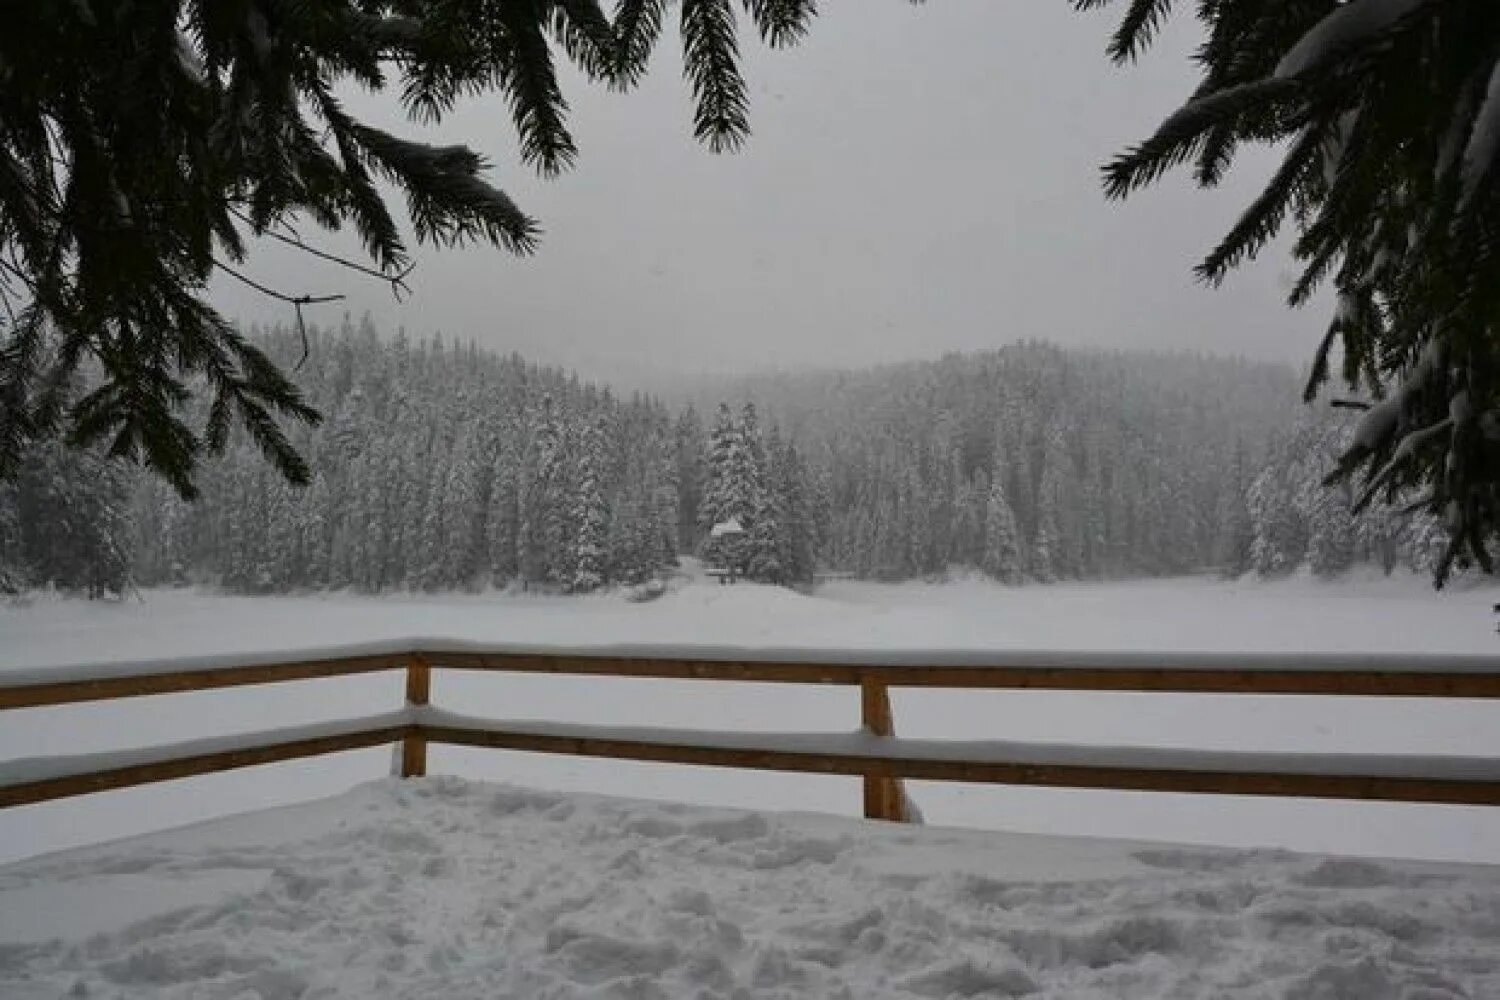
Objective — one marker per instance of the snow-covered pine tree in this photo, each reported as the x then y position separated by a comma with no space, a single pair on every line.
14,576
763,526
763,560
1278,538
666,496
788,483
545,497
1002,544
689,446
730,494
589,515
1330,530
1043,568
70,516
1233,536
1057,505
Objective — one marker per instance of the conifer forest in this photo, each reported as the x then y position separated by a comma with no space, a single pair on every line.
443,466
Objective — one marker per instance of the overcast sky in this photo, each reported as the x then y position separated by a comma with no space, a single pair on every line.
920,179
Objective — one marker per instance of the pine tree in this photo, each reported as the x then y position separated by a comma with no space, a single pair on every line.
1233,538
1278,537
589,515
1057,506
68,522
1002,548
730,495
666,498
689,445
763,561
544,497
763,524
794,536
1330,540
14,577
1043,566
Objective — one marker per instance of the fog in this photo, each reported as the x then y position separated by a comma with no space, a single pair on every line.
921,178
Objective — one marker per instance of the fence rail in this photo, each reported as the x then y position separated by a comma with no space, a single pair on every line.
877,755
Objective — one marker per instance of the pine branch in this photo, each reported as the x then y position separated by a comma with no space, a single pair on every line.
1183,134
1138,28
1263,219
638,25
781,22
525,71
588,37
710,62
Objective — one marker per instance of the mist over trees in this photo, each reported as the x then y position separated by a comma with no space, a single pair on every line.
1037,463
442,466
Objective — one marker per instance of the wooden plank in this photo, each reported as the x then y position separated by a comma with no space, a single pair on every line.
190,766
69,692
418,692
889,767
649,667
884,797
1325,786
1373,683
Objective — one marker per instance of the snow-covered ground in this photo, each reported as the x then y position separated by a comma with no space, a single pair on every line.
443,887
1185,615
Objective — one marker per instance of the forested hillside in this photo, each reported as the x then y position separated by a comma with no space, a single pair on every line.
1110,464
442,466
1034,462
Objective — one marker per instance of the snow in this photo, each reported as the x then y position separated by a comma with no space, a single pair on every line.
861,743
729,527
1350,25
434,649
25,770
1479,154
444,887
1398,616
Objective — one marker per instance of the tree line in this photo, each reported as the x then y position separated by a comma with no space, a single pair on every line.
442,466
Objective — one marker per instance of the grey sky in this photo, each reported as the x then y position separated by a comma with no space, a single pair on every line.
920,179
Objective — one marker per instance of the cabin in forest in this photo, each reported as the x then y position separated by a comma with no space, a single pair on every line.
727,531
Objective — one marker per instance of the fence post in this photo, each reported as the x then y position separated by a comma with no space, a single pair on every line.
884,796
414,745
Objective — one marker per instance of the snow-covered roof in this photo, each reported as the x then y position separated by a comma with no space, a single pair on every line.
729,527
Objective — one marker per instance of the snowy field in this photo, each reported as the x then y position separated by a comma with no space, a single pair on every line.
1295,615
462,890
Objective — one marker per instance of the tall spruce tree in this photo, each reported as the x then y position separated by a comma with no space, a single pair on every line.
1389,115
729,495
64,524
1002,543
763,524
590,516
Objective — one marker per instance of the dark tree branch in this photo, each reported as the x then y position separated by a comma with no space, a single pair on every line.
396,281
295,301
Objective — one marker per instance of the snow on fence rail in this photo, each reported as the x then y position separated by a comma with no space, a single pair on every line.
874,753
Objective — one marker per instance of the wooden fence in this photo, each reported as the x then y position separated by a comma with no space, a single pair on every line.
873,754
